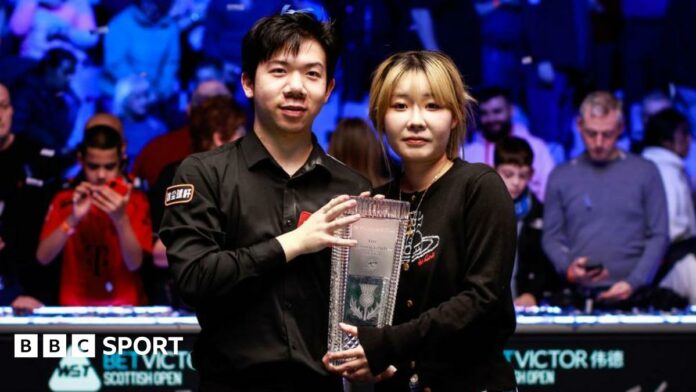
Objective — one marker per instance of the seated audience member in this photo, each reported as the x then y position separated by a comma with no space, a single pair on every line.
45,105
28,172
132,100
495,116
176,145
107,119
605,220
144,40
47,24
668,140
355,144
533,276
101,226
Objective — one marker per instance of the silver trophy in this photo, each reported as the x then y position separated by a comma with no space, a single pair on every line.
364,278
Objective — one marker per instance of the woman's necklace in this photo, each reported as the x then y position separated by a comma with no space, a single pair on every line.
413,216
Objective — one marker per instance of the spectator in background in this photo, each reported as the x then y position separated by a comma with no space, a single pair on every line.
111,121
46,24
533,276
132,102
643,51
681,54
225,24
605,27
556,35
501,43
355,144
101,227
668,140
495,115
27,175
604,210
144,40
176,145
107,119
214,122
44,104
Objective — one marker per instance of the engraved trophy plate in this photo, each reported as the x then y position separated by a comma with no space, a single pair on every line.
364,278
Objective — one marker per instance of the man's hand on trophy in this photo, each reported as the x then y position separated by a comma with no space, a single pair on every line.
378,196
317,232
355,366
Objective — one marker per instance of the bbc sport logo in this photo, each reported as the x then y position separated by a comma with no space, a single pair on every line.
75,372
84,345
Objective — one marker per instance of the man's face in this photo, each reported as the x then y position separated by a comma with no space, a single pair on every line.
100,166
516,178
6,112
289,91
600,134
496,118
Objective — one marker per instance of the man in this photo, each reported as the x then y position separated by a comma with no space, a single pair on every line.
45,105
605,222
128,48
27,172
102,227
668,140
244,249
496,108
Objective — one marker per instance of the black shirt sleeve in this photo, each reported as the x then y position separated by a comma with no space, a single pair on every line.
490,235
195,241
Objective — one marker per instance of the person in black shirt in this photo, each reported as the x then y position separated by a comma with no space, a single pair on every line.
247,225
454,308
28,176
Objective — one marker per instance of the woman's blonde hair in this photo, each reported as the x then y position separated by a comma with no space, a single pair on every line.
446,84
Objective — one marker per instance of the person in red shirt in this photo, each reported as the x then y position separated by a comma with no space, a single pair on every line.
102,227
174,146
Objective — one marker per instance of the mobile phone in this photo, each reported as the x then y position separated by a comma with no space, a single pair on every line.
119,186
594,267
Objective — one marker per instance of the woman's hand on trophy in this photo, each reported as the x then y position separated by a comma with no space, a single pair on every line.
355,366
317,232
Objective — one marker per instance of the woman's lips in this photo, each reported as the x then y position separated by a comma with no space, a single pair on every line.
415,141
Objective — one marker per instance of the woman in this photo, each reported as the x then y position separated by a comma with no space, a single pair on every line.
454,308
355,144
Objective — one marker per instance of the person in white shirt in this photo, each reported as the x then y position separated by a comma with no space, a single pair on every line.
495,107
667,140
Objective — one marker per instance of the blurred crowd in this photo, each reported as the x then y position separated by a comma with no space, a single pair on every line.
101,99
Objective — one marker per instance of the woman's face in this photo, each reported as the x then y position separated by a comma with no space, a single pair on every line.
417,127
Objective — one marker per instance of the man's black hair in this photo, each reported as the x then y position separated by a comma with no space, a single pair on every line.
102,137
662,126
54,58
286,32
488,93
513,151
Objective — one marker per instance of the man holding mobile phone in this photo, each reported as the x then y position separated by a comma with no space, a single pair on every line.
102,227
605,217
